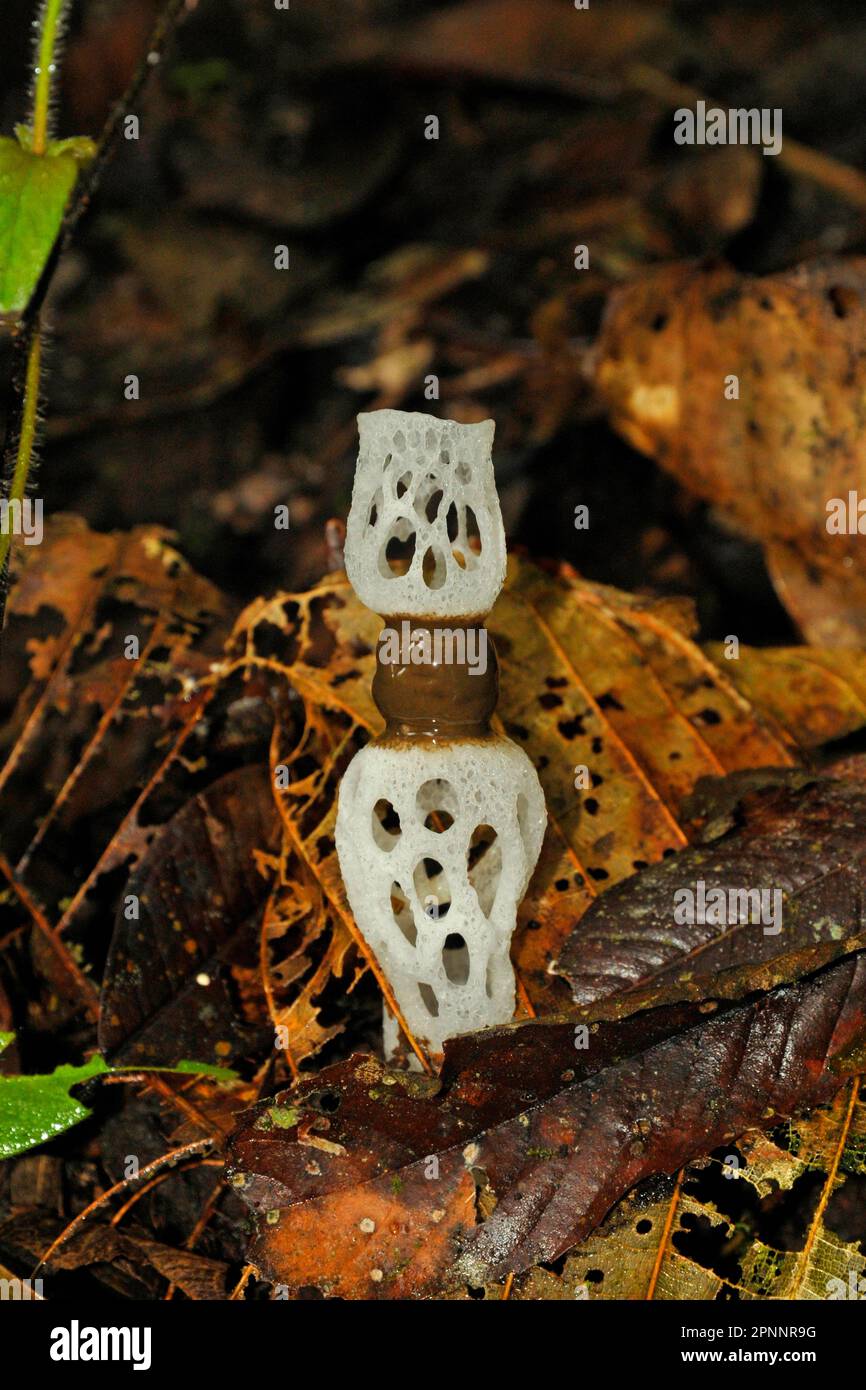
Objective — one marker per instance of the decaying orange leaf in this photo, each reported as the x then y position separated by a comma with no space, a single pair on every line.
775,457
826,688
552,1133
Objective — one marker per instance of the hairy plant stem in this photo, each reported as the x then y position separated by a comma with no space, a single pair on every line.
50,25
22,412
26,436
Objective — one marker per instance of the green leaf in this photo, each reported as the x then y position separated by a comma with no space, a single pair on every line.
34,191
34,1109
201,1069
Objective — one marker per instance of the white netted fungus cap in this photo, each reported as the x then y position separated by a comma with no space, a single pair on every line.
424,536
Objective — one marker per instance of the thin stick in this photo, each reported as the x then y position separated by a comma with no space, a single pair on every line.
28,326
170,1160
246,1275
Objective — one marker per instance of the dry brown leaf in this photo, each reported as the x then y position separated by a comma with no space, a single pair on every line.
649,1246
774,458
88,722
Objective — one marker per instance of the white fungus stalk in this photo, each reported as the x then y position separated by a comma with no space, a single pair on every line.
440,820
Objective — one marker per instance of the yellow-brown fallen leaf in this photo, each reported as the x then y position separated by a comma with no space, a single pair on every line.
775,458
827,688
646,1248
600,688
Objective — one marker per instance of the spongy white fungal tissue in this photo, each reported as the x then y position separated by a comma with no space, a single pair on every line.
436,839
436,847
424,534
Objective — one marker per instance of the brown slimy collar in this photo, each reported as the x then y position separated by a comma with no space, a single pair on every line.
435,678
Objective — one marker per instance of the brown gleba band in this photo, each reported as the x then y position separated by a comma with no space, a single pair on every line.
441,701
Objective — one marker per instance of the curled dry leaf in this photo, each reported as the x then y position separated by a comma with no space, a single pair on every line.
129,1265
783,893
775,457
339,1170
196,1275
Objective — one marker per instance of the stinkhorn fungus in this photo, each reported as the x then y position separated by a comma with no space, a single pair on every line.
440,820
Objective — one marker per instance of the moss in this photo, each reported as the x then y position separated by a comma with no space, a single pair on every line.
278,1117
284,1116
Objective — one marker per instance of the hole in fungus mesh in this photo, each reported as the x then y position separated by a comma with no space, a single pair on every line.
473,532
428,498
375,509
433,568
429,1000
455,958
398,552
385,825
484,865
401,911
437,804
431,885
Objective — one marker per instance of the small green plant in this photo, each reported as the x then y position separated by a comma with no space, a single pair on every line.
35,1109
37,175
44,187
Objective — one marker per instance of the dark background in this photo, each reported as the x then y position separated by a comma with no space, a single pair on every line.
411,256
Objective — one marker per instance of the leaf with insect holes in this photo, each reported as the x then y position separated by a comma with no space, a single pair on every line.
530,1130
34,192
731,1226
35,1109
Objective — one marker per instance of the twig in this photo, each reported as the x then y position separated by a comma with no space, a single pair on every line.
19,473
170,1160
246,1275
